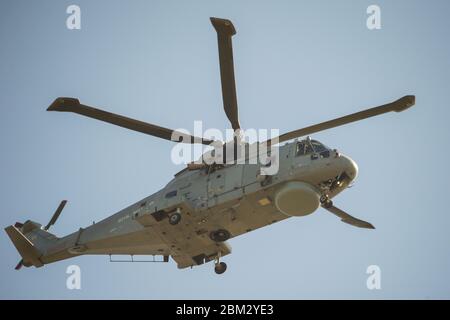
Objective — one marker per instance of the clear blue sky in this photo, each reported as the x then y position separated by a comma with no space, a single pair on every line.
297,63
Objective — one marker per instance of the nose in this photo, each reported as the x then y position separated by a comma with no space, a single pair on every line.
349,167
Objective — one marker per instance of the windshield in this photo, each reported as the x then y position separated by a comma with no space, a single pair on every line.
318,147
307,147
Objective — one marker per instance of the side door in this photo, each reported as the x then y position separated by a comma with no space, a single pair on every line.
225,180
233,177
216,183
224,184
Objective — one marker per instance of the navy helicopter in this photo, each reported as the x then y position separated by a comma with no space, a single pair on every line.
209,202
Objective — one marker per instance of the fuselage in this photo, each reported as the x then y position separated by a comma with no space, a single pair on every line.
236,198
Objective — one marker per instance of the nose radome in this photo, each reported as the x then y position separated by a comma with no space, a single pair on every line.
350,167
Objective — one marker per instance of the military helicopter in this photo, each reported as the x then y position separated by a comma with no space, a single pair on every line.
206,204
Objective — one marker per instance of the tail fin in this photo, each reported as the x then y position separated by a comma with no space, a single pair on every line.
30,255
31,241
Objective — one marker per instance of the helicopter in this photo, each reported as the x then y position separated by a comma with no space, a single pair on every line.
208,202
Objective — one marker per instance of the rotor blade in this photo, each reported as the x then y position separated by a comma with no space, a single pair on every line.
19,265
225,30
397,106
345,217
56,215
73,105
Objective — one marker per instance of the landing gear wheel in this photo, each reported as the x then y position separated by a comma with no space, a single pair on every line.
220,267
175,218
220,235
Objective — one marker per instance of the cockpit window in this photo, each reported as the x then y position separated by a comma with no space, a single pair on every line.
303,148
308,147
300,149
318,147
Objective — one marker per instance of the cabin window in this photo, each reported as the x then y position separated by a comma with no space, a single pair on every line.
171,194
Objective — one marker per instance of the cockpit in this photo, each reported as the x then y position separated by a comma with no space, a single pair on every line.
307,146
